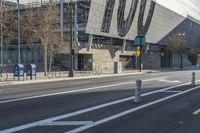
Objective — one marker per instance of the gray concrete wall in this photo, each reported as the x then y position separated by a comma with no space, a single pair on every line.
151,60
177,61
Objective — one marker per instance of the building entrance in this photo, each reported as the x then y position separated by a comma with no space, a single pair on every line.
165,58
85,62
128,62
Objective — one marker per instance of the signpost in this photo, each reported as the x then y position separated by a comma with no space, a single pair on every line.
139,41
138,52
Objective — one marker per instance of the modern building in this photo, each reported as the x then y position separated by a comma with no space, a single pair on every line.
104,33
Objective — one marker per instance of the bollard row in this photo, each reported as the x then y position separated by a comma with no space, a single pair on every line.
138,98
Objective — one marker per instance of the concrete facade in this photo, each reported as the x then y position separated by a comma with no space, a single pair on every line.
170,18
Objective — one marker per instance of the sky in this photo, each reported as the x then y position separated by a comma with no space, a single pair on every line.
196,2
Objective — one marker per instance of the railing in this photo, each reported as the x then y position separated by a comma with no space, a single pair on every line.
87,71
3,73
54,72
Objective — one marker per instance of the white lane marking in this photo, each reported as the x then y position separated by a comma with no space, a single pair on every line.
77,130
73,91
37,123
196,112
67,123
169,81
173,91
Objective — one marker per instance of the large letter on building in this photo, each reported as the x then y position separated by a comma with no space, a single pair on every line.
143,28
125,25
108,16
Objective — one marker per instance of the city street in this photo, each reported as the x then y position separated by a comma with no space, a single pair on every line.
170,104
99,66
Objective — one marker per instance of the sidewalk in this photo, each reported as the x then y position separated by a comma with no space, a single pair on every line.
40,78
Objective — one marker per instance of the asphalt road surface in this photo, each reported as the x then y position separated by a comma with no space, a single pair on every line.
170,104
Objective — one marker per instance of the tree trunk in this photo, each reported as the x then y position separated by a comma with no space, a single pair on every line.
45,60
50,63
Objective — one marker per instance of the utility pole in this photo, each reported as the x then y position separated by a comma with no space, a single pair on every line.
1,32
71,71
18,28
181,40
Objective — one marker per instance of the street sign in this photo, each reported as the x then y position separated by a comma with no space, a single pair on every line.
140,40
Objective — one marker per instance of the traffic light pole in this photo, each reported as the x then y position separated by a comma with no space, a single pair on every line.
1,32
140,55
140,58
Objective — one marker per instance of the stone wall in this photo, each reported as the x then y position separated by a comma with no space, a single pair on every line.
103,59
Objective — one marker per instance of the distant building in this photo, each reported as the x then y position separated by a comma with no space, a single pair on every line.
8,4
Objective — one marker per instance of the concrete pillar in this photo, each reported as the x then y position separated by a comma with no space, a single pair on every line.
90,42
123,46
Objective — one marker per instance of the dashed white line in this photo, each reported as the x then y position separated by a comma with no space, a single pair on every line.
76,90
43,122
68,123
173,91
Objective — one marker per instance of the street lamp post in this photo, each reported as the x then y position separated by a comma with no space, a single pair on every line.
61,19
1,32
18,28
182,35
71,71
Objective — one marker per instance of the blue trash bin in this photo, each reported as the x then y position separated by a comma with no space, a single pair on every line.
31,71
18,71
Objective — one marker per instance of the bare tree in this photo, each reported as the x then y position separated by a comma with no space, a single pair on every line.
9,31
39,25
176,44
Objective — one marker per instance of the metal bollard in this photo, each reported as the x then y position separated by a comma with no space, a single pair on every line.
193,79
138,91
